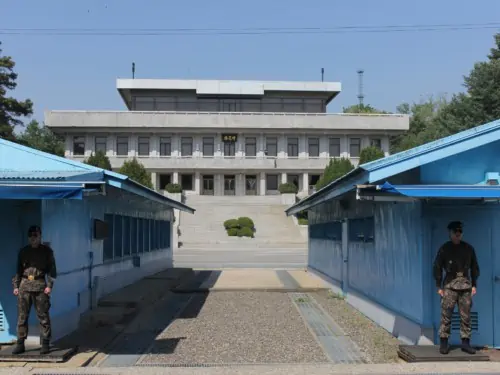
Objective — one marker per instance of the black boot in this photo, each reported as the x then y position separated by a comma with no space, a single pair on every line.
466,347
45,347
19,348
444,348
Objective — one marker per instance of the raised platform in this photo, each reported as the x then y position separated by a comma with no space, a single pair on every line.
430,353
32,354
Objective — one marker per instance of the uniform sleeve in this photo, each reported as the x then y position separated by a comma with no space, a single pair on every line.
438,268
474,268
51,269
16,280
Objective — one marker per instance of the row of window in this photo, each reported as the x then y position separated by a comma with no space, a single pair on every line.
360,230
130,235
208,146
292,105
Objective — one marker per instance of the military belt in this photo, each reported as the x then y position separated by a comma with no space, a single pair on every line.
31,277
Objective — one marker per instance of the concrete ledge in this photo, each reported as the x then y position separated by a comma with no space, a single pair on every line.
400,327
272,290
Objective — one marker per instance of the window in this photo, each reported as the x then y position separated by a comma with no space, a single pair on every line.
144,104
271,146
376,142
250,146
118,236
165,146
186,146
146,230
126,236
293,147
100,144
187,181
122,146
108,241
140,236
165,179
133,235
165,103
313,147
293,105
272,182
334,147
354,147
208,146
362,230
144,146
229,148
78,145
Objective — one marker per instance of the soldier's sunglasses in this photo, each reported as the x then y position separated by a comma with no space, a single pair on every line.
458,231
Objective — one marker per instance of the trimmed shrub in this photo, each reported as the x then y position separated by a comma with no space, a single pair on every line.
173,188
245,232
245,222
231,223
232,232
288,188
303,221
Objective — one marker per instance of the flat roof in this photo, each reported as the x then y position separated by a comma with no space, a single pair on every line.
225,87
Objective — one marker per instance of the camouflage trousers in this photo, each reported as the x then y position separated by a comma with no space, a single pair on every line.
449,300
41,301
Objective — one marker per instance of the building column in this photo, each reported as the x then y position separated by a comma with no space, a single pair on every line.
175,177
283,178
262,184
305,182
154,180
197,183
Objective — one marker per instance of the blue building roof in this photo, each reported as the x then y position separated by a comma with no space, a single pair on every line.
32,167
403,161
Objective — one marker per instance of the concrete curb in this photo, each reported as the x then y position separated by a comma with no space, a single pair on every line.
251,289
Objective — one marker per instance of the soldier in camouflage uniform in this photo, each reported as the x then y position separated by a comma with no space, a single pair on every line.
35,264
458,259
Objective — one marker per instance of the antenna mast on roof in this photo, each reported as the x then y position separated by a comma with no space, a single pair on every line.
322,74
360,87
133,70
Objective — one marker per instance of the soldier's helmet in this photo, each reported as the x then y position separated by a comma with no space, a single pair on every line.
454,225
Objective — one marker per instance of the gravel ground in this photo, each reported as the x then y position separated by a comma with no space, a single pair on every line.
378,344
237,327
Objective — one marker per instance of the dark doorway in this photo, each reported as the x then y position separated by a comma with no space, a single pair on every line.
208,185
187,181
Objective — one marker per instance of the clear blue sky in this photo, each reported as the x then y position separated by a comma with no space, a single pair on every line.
79,72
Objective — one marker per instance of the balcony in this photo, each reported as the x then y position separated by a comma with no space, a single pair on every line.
220,162
152,121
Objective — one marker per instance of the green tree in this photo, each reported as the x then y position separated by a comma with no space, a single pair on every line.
137,172
41,138
362,108
422,121
99,160
336,168
10,108
369,154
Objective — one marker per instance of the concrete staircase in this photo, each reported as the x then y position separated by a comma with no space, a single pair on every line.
205,230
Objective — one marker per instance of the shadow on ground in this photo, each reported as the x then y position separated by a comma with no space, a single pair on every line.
129,320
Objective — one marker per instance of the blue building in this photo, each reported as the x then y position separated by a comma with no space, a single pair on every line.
374,233
72,202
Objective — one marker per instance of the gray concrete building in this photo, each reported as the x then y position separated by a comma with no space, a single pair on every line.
225,137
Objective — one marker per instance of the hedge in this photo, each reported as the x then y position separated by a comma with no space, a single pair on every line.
245,232
288,188
173,188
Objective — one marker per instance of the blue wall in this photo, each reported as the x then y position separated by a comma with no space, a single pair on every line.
68,226
466,168
385,264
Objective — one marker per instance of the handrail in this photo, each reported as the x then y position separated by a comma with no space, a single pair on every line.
191,113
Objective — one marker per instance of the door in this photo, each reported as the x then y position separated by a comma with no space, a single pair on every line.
229,149
208,185
272,184
251,185
229,185
345,256
478,233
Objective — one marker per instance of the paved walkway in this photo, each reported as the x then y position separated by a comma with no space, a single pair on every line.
320,369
